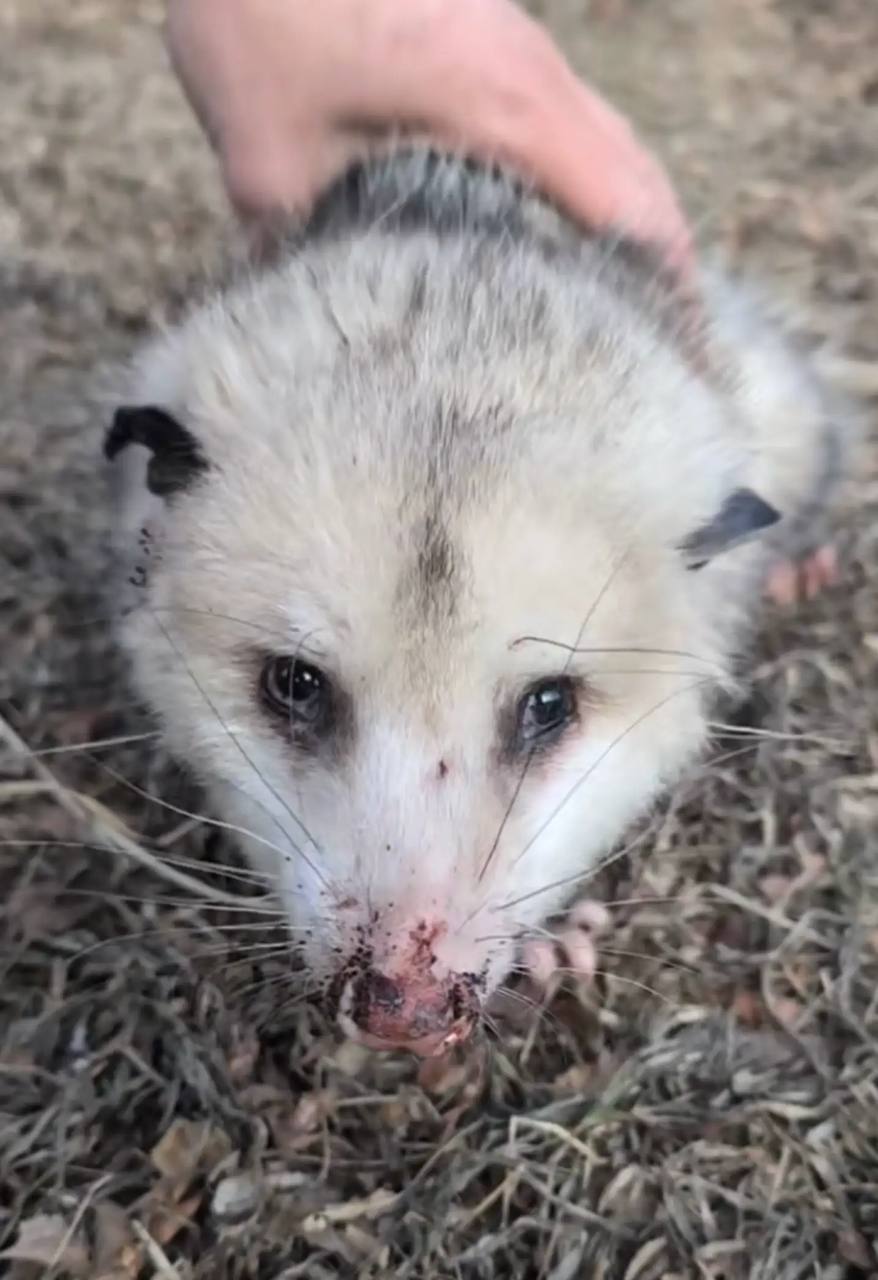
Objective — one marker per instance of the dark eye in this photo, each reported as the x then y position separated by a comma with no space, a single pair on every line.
545,710
296,690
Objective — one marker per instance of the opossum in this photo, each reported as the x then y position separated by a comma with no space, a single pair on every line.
439,535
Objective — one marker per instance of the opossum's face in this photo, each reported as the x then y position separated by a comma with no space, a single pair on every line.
431,653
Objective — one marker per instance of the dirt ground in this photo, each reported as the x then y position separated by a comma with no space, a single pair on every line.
167,1108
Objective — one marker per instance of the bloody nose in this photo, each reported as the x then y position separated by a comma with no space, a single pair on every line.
419,1013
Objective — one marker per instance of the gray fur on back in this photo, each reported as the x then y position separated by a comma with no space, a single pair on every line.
419,190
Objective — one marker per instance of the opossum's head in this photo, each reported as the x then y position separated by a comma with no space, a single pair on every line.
415,548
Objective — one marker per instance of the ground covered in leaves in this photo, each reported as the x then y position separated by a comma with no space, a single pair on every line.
167,1108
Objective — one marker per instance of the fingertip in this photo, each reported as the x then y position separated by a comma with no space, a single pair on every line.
619,183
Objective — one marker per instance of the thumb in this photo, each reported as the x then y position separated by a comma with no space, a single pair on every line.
270,174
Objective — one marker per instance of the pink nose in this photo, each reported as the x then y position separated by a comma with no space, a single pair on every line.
420,1013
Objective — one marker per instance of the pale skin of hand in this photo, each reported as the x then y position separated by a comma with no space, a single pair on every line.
290,91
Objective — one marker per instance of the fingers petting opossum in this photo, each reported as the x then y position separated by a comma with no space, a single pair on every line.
438,536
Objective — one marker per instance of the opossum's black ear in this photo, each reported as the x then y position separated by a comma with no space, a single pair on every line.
742,517
176,454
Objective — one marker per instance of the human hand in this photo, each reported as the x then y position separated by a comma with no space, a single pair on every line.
290,92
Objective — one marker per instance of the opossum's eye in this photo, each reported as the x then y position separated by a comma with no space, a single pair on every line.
296,690
545,710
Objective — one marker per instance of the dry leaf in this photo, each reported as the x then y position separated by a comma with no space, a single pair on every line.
775,888
113,1238
854,1248
261,1097
312,1109
291,1131
371,1206
189,1147
43,1239
349,1058
395,1114
164,1220
577,1079
441,1075
243,1055
787,1011
644,1261
364,1242
748,1008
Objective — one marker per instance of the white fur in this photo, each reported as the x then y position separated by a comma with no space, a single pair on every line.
567,521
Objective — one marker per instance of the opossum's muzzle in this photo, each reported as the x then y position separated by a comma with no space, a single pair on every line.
414,1011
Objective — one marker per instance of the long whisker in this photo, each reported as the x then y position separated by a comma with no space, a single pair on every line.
630,982
590,612
300,648
649,671
99,744
581,876
87,810
506,816
619,649
774,735
603,755
648,900
297,996
245,906
225,972
216,823
101,619
187,864
279,634
246,756
663,962
295,1001
543,933
249,950
715,762
141,935
540,1010
618,977
241,874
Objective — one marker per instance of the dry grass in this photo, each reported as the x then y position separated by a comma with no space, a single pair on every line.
167,1107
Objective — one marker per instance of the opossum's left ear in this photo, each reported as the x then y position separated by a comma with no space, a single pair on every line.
176,459
742,517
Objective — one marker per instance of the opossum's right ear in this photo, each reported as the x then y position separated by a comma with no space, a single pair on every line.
177,459
742,517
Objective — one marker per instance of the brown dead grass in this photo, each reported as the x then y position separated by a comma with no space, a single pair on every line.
167,1106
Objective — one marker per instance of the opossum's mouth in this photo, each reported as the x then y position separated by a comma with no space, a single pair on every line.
429,1045
412,1009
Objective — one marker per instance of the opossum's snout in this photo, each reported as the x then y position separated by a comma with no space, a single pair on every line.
407,998
416,1011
